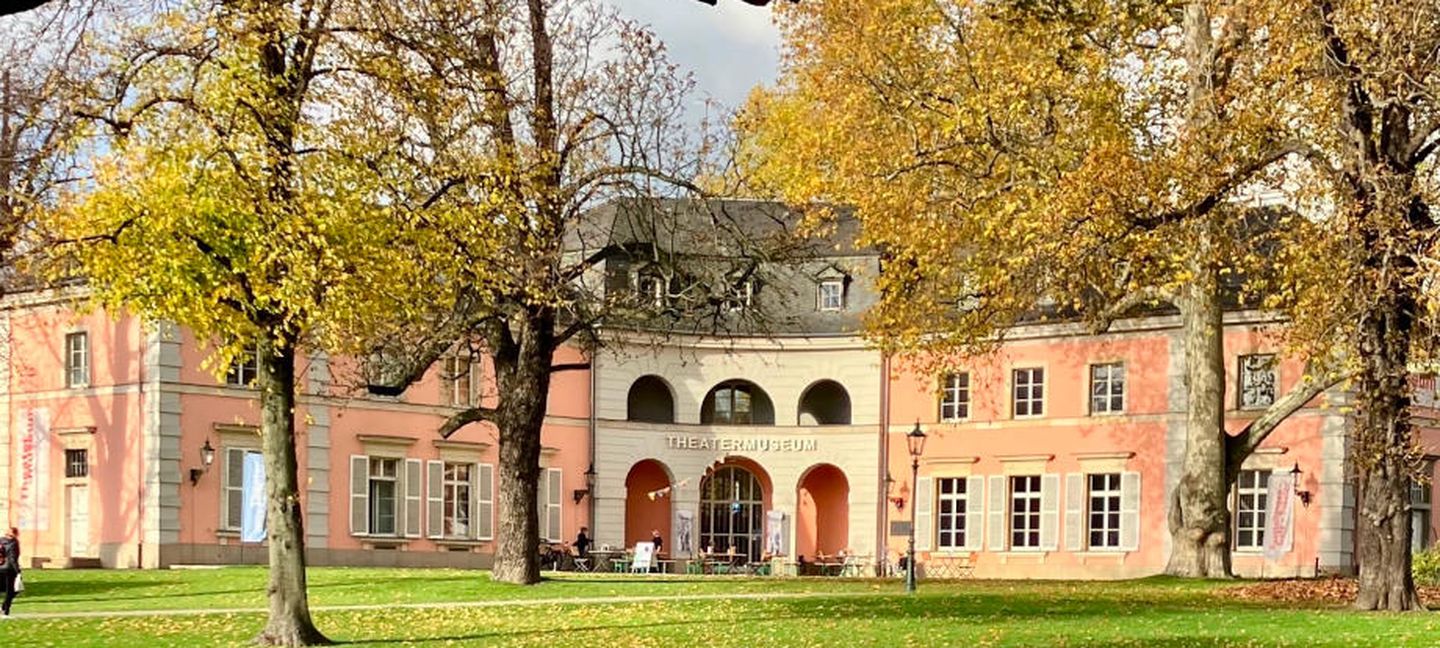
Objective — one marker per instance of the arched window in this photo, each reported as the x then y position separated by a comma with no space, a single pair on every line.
737,402
732,510
650,401
825,403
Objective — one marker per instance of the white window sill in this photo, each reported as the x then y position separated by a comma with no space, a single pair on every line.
460,542
950,553
1027,417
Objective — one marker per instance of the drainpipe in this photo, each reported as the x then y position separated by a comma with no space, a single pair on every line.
882,551
594,389
140,447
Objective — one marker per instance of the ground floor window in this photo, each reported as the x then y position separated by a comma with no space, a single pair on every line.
382,490
455,504
1420,506
950,514
1104,501
1250,509
732,512
1025,512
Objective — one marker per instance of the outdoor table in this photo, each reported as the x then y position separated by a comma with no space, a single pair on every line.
600,560
621,564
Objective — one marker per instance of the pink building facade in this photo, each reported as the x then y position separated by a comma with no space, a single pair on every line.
1052,458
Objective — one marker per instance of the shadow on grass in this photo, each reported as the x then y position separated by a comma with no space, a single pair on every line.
71,591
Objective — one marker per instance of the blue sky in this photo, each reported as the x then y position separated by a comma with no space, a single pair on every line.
729,47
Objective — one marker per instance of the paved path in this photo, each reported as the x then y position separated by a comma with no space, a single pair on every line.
489,603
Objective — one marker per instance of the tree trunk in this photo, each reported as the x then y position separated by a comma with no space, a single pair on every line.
1383,449
1199,519
525,388
289,623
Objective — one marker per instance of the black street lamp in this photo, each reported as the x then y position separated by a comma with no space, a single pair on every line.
916,442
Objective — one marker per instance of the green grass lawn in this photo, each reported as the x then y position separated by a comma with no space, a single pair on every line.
840,613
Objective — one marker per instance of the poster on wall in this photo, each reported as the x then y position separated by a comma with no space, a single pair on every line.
775,534
684,533
1281,502
34,496
252,516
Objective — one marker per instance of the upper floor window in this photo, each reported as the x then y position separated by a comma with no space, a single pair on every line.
1107,388
650,288
1257,380
77,462
830,295
955,397
243,371
459,380
737,402
77,359
1251,499
1029,392
741,294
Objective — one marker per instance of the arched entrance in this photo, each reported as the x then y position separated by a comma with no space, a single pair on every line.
642,514
733,500
822,515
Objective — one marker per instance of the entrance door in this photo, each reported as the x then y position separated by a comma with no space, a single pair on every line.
731,512
78,522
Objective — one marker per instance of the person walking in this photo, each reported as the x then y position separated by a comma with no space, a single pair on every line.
9,566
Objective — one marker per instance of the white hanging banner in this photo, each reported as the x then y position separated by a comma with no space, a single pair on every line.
1280,498
684,533
775,534
34,496
252,518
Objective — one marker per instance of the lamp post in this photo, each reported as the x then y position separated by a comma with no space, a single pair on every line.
916,442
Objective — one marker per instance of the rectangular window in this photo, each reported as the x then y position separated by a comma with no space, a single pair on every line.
1420,506
831,295
955,397
382,491
1251,495
1104,501
650,289
77,359
77,463
232,489
1029,392
243,371
1025,512
1107,388
1257,381
459,380
456,504
952,502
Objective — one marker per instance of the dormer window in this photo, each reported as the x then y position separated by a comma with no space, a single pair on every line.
830,294
650,288
742,294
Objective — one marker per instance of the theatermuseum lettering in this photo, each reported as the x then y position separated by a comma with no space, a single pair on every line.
675,442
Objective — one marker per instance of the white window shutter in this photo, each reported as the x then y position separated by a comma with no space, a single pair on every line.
1050,512
359,495
1130,511
435,499
996,512
413,478
484,511
924,513
552,518
1075,512
974,513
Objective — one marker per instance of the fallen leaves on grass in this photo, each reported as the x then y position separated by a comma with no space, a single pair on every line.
1333,590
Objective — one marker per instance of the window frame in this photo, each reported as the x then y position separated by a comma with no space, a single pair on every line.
1031,494
451,377
1109,382
1421,510
235,373
730,418
955,394
71,463
1242,383
1035,405
397,501
959,499
77,359
1112,494
1258,489
821,303
648,293
451,499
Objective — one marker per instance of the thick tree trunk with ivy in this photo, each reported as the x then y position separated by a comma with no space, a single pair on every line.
289,623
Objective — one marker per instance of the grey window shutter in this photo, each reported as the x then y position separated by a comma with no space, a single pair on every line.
1130,511
974,513
552,518
1075,512
435,499
234,480
484,510
996,513
413,478
1050,512
924,513
359,495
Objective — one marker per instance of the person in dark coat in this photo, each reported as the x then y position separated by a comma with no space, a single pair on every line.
9,566
582,542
